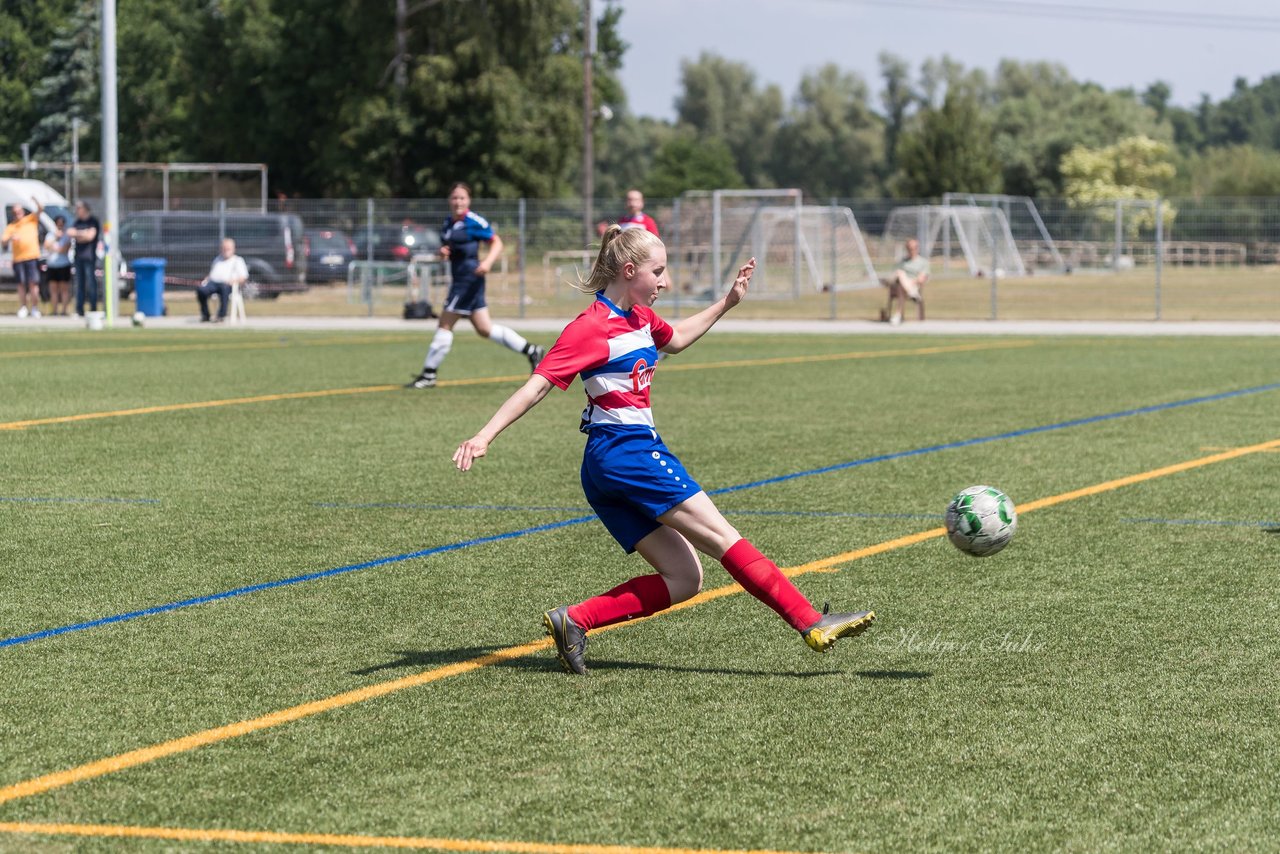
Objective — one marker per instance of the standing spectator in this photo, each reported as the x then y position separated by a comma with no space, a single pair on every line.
635,217
23,233
57,247
228,269
85,231
462,235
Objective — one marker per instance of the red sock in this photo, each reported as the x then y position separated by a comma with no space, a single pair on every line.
639,597
761,577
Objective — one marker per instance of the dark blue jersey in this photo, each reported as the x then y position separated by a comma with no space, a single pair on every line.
463,237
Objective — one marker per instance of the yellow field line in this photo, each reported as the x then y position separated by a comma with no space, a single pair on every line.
863,354
194,834
303,395
141,756
179,348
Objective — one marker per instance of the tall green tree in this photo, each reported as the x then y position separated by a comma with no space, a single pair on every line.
831,144
26,31
69,89
688,162
948,150
896,99
720,99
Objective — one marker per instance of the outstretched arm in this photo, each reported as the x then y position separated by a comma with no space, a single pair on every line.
526,397
692,328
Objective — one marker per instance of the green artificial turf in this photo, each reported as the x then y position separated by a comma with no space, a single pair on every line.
1106,682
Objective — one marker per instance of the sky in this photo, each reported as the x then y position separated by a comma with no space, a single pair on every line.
783,39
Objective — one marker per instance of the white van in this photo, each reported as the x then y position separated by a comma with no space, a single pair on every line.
19,191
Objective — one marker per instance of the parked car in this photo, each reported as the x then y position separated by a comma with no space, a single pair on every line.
271,245
397,243
328,252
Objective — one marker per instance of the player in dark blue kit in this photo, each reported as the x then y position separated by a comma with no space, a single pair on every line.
462,235
642,493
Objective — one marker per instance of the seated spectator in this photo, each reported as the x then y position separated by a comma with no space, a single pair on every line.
24,235
228,269
57,247
908,278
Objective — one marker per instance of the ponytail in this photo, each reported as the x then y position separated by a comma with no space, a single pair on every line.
617,248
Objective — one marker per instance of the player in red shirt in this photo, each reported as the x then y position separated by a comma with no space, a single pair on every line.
635,217
641,492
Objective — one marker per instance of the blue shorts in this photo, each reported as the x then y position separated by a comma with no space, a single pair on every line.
466,295
27,272
630,479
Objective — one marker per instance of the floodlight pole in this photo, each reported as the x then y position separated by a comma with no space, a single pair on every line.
110,159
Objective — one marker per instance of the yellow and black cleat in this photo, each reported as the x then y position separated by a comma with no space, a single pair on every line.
822,635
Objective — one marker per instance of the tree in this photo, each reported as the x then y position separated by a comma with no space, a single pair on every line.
26,31
948,150
1136,168
896,99
69,90
687,162
720,100
1238,170
831,142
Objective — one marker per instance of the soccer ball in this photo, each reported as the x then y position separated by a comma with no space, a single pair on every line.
139,318
981,521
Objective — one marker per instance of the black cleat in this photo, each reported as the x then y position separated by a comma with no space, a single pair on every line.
822,635
426,379
571,641
535,355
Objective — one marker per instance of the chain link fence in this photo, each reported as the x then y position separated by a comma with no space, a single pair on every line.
990,257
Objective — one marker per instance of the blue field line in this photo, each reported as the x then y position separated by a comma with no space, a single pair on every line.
286,582
401,505
298,579
398,505
1228,522
1012,434
25,499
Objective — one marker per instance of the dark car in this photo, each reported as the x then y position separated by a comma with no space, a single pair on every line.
328,252
270,244
397,243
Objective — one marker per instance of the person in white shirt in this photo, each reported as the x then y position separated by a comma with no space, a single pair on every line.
228,269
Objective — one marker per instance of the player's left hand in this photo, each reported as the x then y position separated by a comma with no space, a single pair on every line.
469,451
739,289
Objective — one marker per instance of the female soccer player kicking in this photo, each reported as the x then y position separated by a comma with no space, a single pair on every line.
641,492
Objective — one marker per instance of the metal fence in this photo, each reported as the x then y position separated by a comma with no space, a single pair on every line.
1182,258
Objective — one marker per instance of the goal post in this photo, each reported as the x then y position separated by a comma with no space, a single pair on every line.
978,236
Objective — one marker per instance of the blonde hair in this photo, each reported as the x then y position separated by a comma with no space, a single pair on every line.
617,247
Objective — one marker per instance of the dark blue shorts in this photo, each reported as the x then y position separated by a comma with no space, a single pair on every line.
630,479
466,295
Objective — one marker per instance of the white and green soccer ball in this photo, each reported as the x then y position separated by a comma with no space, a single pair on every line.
981,520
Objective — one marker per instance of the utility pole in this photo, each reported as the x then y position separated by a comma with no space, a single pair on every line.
110,159
588,111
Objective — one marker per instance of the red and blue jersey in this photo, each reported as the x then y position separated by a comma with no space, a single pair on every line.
640,220
616,353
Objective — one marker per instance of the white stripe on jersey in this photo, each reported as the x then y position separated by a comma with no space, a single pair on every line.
622,415
602,384
637,339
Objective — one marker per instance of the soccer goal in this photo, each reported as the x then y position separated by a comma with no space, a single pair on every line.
978,238
1030,234
799,249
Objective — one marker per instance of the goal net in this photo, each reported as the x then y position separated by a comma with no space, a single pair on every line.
965,237
799,249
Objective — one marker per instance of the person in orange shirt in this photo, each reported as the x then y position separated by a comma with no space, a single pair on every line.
23,234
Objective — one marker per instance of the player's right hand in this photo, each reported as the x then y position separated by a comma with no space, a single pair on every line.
468,451
445,252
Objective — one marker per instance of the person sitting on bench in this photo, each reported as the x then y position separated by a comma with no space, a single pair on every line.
228,269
